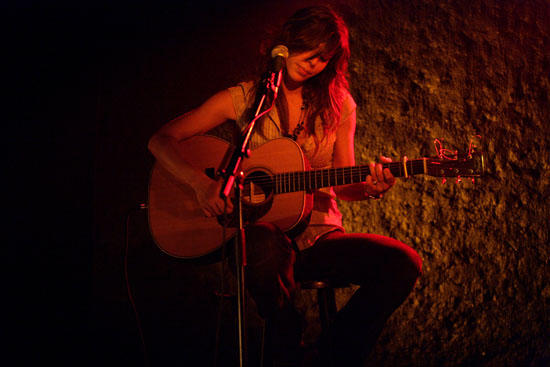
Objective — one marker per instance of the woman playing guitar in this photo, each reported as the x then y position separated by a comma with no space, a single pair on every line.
315,109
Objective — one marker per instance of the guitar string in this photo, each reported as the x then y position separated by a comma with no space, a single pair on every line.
329,175
355,169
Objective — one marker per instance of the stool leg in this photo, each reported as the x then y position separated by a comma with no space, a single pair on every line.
327,313
327,306
323,308
331,303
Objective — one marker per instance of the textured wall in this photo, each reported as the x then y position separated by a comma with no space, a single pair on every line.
420,70
452,69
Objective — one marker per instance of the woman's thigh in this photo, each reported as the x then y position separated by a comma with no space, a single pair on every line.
357,258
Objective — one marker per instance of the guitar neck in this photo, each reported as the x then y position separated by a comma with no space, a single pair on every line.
316,179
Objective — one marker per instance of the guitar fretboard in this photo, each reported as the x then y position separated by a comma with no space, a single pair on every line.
315,179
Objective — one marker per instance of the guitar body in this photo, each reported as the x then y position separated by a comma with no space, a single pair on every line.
176,220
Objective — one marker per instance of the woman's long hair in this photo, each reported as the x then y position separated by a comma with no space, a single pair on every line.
324,93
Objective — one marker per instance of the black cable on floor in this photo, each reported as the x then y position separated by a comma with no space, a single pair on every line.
127,280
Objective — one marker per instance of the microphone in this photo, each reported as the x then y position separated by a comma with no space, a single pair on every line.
279,55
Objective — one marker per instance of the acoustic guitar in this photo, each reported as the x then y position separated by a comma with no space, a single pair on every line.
277,187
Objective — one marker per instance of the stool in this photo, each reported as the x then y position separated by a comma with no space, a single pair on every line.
326,299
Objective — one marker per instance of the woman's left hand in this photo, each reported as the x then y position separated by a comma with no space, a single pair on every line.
380,180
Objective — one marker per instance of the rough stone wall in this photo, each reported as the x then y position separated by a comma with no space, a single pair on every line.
450,70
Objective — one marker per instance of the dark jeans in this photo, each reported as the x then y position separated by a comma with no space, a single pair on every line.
384,268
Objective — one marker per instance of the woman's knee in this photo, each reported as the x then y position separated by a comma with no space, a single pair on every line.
408,265
414,260
398,260
264,241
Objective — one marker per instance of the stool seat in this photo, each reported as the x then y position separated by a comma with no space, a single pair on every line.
315,284
322,283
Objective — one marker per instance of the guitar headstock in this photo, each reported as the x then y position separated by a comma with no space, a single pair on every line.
461,165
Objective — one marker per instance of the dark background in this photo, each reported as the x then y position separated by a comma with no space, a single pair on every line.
88,83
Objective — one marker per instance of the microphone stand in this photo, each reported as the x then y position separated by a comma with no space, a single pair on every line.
233,178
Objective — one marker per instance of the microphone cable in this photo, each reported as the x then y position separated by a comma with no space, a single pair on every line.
141,207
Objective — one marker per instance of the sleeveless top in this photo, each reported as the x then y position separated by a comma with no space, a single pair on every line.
325,216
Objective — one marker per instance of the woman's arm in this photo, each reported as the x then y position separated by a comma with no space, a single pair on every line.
344,156
164,146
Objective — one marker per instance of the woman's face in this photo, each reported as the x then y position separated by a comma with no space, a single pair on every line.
302,66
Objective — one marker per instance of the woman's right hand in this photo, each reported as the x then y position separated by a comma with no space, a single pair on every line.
208,197
164,145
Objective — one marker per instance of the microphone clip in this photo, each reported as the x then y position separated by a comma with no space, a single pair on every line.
273,82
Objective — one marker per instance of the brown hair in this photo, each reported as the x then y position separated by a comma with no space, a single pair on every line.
324,93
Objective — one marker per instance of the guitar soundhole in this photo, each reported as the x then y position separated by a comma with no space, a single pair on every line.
257,198
258,187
